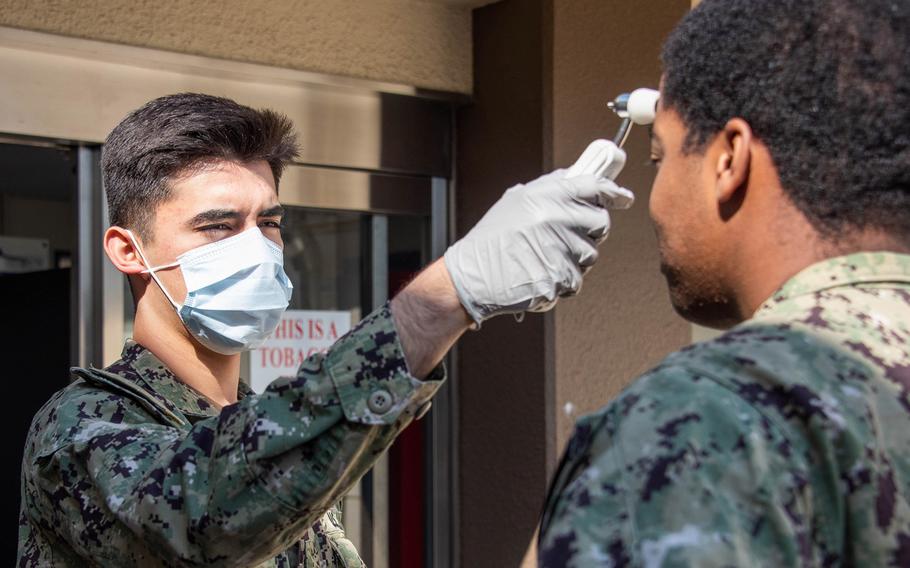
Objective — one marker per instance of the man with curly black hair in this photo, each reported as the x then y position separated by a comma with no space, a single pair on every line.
782,207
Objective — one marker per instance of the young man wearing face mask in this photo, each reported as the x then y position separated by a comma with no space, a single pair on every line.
164,457
782,206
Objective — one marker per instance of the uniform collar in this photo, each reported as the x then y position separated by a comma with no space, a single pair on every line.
849,270
150,373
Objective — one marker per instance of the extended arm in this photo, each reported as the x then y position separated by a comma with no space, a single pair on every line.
119,486
429,318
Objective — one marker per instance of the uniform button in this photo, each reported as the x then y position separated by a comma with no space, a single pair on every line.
380,401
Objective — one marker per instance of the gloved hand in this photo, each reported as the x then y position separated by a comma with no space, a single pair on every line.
534,245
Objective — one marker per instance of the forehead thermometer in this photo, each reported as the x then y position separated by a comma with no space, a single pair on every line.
638,107
601,158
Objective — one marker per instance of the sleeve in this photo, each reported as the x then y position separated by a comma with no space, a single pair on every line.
678,471
240,487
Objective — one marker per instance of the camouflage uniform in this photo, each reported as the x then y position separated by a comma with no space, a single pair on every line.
128,466
785,442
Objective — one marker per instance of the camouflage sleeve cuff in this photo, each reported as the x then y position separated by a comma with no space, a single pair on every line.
371,376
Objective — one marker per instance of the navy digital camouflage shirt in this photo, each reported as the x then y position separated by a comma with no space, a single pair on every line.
128,466
784,442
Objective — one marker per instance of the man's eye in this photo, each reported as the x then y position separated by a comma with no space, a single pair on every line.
654,161
271,224
213,228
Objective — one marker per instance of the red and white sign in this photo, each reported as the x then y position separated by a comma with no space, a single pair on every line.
300,334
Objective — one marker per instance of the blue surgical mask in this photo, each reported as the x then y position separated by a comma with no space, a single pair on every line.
236,290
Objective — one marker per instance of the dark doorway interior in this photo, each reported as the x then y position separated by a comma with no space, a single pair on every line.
38,237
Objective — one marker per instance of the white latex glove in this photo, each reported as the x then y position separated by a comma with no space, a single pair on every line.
535,244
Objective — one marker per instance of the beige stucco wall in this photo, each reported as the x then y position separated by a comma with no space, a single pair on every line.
415,42
622,323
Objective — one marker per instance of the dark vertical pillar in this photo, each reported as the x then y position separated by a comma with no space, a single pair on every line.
504,372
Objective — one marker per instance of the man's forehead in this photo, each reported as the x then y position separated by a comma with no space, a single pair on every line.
668,124
223,167
226,175
656,128
223,187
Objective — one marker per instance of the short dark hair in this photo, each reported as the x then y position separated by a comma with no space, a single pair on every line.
824,84
169,135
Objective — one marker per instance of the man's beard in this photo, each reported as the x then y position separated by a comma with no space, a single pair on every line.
699,297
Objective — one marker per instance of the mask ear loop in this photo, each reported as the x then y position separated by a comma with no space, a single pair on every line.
151,271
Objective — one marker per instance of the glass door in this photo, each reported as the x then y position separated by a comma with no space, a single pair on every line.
352,240
343,265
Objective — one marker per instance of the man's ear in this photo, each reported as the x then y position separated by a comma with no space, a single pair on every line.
120,249
734,159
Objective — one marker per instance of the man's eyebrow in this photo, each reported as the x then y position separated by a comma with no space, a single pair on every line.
276,211
214,215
